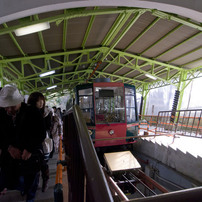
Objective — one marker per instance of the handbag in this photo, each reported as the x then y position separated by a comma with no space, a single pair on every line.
47,144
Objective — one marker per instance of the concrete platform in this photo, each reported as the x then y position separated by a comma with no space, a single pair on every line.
48,196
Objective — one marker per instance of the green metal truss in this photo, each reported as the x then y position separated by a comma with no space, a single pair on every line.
31,81
107,54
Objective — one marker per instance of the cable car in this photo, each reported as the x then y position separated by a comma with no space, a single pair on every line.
110,112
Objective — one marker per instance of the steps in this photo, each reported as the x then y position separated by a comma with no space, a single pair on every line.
48,196
182,155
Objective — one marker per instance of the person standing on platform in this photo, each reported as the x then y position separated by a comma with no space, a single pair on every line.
57,130
24,131
37,99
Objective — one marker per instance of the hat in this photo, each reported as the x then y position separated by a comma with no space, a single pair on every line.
10,96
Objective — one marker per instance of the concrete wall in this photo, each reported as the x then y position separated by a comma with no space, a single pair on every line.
184,163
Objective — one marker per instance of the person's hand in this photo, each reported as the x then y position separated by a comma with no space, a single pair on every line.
14,152
26,155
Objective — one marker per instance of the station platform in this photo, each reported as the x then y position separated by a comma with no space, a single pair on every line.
48,196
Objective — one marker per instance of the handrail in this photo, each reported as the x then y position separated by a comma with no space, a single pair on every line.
58,188
85,175
58,178
189,195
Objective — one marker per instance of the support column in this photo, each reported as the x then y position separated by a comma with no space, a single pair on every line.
182,85
21,88
177,102
144,95
1,76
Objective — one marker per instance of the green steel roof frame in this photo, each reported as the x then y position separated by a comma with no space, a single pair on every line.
9,73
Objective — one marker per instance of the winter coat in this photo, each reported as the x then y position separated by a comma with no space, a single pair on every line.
26,131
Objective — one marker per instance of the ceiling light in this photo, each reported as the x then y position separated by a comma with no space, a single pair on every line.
150,76
32,29
51,87
47,73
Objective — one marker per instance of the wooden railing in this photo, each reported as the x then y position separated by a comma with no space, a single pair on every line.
58,189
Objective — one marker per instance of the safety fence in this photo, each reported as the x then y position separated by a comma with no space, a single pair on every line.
179,122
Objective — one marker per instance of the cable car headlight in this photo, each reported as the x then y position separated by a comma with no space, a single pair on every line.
111,132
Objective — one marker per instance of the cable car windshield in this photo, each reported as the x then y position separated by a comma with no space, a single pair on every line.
109,104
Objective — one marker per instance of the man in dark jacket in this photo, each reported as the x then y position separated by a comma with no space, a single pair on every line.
23,131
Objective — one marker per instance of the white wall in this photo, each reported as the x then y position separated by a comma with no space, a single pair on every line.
162,98
192,98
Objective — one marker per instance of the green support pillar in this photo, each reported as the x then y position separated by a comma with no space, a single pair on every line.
21,88
181,87
144,95
1,76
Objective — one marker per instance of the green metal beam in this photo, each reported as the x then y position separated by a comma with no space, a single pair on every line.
162,38
120,55
50,55
1,76
178,19
13,69
151,61
193,61
185,54
92,19
15,41
108,65
64,38
181,88
179,44
120,77
116,27
144,95
63,76
72,13
130,24
142,33
81,12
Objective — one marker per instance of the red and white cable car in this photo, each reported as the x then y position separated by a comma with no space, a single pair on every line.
110,111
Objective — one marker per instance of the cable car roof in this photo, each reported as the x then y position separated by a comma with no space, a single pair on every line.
125,44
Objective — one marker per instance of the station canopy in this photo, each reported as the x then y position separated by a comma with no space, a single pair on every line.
137,46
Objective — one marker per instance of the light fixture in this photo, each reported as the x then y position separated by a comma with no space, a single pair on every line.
150,76
51,87
32,29
47,73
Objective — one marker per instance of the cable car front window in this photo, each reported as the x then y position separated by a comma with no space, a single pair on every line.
130,105
86,104
109,103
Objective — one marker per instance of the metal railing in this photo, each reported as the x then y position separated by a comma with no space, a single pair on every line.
188,195
85,176
181,122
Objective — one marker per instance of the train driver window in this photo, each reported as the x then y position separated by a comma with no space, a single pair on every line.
109,103
86,104
130,105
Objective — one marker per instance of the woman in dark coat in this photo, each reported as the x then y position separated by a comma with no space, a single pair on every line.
23,130
36,99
